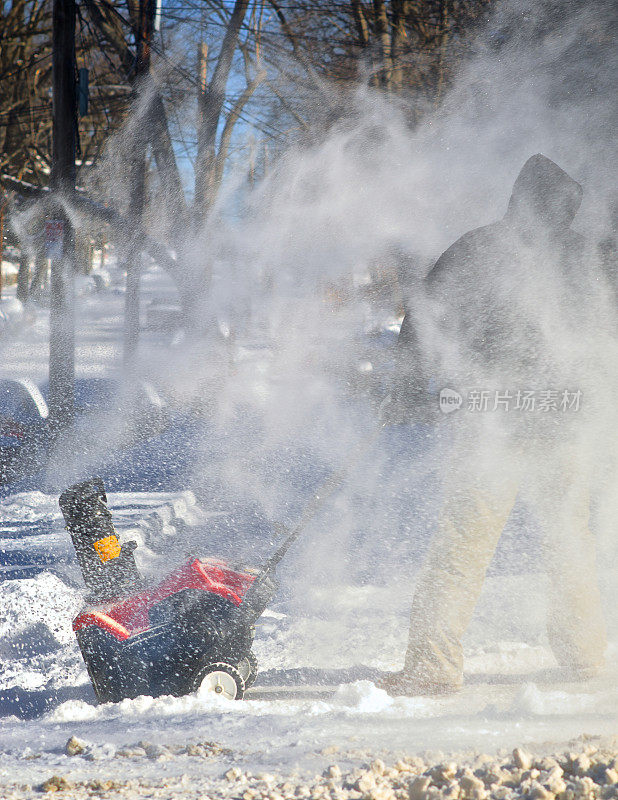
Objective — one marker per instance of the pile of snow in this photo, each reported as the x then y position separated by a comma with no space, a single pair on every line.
32,506
37,645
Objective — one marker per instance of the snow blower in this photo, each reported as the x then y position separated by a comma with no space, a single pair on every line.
193,630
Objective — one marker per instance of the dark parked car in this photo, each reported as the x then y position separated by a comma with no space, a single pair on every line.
24,414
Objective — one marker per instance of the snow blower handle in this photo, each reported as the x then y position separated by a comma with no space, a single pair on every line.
263,587
326,490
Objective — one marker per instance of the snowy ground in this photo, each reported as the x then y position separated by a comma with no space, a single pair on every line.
315,694
333,628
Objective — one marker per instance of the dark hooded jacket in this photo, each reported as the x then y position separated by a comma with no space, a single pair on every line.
504,295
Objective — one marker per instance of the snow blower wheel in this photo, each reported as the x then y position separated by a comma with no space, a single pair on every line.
248,668
222,679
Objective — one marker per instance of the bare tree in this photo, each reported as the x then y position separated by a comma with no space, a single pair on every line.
269,61
25,91
410,48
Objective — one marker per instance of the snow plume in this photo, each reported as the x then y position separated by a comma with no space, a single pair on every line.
293,382
372,183
540,81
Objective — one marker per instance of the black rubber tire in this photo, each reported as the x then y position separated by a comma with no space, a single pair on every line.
250,667
221,666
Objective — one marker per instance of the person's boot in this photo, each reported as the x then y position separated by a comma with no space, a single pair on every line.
404,684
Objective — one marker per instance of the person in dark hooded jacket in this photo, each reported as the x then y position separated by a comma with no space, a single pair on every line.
512,304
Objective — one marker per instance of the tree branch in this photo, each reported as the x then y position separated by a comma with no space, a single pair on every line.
160,138
211,108
231,120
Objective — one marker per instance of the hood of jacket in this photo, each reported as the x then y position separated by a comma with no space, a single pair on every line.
543,196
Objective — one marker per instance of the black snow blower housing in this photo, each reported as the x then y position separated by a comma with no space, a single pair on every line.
193,630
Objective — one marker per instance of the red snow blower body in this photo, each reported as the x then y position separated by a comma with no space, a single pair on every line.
193,629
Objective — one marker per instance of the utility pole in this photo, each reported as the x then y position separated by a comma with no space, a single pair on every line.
62,180
3,204
147,11
201,176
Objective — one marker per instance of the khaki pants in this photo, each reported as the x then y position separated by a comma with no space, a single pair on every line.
479,499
